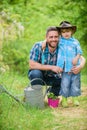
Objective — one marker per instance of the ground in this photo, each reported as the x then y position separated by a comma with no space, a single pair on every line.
73,117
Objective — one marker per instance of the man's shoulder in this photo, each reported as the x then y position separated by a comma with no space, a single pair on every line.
39,43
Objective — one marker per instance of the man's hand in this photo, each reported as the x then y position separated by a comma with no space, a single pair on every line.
76,69
56,69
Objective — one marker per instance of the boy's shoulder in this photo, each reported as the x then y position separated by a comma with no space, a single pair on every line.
75,40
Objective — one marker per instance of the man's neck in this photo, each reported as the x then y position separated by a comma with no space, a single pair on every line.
51,49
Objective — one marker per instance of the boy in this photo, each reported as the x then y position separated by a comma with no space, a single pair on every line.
69,53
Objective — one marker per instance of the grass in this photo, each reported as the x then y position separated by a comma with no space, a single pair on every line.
13,116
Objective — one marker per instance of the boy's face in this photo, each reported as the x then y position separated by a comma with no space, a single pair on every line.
66,33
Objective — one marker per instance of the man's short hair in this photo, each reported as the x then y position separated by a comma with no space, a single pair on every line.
52,28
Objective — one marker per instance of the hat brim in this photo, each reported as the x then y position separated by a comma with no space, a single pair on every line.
66,27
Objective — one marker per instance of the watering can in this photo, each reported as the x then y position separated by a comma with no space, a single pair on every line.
34,94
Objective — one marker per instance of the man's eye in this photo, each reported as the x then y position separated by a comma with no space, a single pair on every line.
51,37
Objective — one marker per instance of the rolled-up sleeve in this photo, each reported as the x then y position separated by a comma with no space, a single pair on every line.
79,50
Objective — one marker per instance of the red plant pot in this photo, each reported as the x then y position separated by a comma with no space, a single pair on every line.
53,102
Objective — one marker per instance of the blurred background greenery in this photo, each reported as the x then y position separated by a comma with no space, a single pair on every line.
34,17
22,23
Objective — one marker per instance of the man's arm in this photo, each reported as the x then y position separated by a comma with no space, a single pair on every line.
77,69
36,65
83,61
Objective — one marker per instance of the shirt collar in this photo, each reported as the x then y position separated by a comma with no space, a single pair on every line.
47,50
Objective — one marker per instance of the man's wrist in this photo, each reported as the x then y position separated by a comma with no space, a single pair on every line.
81,66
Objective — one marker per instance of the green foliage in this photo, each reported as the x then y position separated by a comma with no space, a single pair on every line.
12,1
51,95
13,116
36,17
16,58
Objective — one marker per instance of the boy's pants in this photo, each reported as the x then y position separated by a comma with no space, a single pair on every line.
70,84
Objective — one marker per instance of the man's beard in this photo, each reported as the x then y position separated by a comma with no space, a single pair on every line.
52,46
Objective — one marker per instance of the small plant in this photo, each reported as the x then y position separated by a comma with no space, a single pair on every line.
51,95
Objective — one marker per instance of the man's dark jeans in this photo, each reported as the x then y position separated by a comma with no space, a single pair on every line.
51,80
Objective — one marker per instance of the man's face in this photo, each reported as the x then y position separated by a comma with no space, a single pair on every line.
52,38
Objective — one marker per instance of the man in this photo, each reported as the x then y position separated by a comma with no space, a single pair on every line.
42,63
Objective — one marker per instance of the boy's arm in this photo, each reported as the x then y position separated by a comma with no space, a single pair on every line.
75,60
79,53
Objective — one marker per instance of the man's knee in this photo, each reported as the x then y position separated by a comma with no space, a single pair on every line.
36,76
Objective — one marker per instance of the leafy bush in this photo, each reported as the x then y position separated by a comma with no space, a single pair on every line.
16,56
36,20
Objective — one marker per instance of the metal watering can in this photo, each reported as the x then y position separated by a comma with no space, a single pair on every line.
34,94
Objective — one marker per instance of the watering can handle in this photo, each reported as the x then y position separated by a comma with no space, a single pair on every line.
42,81
39,79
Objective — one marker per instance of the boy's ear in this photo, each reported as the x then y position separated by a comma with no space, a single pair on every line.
43,45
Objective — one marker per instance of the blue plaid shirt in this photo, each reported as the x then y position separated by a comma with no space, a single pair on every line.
68,49
44,57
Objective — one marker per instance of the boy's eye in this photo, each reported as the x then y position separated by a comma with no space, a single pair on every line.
66,30
63,31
